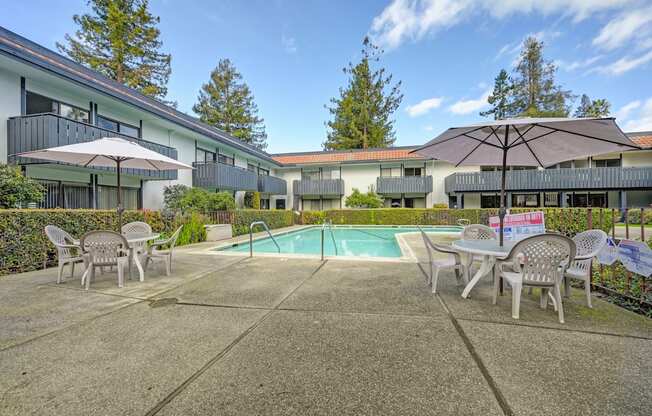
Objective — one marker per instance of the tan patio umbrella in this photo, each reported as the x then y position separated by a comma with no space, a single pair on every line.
526,142
111,152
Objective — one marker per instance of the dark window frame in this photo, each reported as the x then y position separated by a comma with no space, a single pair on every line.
58,104
119,124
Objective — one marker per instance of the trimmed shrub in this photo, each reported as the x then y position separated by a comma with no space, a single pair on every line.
242,218
564,220
24,245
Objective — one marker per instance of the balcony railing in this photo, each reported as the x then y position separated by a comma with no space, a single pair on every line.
551,179
272,185
220,176
318,187
404,184
42,131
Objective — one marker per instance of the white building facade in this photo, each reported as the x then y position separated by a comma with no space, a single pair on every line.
47,100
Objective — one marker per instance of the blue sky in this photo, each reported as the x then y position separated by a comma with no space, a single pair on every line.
446,52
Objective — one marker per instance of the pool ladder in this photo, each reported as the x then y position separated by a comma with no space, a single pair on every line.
328,223
251,236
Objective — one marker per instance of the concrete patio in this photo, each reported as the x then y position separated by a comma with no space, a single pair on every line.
237,336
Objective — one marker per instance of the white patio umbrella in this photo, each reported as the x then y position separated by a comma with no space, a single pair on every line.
111,152
526,142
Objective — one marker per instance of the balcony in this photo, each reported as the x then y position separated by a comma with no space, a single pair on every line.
325,187
272,185
404,185
42,131
220,176
551,179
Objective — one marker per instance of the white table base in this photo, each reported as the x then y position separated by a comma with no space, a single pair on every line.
487,265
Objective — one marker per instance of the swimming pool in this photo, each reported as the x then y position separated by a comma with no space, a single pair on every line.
345,240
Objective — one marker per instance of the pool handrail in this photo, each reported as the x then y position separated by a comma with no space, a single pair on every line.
251,238
328,223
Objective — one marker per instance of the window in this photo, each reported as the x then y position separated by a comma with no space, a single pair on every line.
37,104
280,204
525,200
227,160
204,155
263,172
551,199
251,168
390,172
487,168
413,171
330,173
396,203
566,165
409,202
118,126
310,175
489,201
606,163
264,203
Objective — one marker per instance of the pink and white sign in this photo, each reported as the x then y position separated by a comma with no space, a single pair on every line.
519,226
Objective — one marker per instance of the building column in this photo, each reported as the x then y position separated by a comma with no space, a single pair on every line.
564,200
508,202
460,201
622,199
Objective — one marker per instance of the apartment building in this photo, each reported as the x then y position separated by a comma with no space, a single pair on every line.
322,180
47,100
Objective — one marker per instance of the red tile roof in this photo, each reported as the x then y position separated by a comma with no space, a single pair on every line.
642,139
392,153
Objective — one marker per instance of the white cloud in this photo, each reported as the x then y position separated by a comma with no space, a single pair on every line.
462,107
624,64
424,106
581,64
625,110
289,44
643,121
633,24
411,20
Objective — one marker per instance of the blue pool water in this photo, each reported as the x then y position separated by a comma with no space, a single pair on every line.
349,240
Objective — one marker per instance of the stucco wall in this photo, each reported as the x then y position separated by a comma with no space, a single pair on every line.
9,105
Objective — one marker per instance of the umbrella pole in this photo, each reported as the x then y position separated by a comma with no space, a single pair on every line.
502,211
119,198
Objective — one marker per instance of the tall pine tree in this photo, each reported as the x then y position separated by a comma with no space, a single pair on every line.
499,98
361,117
119,38
592,108
535,93
227,103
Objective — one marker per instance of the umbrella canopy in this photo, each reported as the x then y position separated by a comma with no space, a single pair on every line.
109,152
526,142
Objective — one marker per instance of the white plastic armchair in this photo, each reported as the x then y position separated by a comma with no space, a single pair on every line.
588,244
104,248
156,251
450,260
477,232
67,249
537,261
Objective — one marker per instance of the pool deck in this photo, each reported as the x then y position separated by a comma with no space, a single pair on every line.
276,336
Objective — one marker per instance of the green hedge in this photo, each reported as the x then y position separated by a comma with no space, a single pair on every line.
24,245
565,220
274,219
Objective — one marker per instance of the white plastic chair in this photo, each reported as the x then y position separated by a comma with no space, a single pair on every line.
477,232
67,250
537,261
154,251
452,261
138,249
588,244
104,248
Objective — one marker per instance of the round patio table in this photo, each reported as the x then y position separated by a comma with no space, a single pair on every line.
135,241
490,250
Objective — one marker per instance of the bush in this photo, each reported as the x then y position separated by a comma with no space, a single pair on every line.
200,200
440,205
568,221
252,200
172,196
24,245
360,200
634,216
193,230
17,190
241,219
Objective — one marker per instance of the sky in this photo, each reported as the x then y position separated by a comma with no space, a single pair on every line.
446,53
